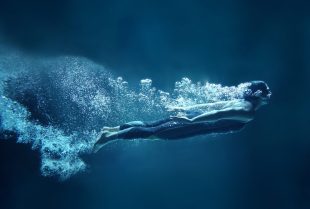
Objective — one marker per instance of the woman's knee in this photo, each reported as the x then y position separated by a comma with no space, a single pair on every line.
138,132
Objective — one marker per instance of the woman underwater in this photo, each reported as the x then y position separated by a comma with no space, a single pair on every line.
217,117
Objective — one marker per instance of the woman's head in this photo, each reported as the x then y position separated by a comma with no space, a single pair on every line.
257,93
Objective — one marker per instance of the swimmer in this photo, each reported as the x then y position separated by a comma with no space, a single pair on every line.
201,119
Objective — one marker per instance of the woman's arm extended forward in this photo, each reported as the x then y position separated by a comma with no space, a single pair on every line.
206,106
241,111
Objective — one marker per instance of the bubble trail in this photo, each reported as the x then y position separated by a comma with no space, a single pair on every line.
59,105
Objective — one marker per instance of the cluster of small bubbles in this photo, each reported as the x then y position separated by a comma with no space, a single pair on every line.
53,144
187,93
59,151
122,97
82,83
130,104
149,98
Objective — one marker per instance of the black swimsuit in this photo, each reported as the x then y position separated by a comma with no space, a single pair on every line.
171,130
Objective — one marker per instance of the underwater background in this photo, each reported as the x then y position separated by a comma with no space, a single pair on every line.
69,67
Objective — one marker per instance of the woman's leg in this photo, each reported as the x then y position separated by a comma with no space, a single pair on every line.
133,130
144,124
127,134
124,126
181,131
133,133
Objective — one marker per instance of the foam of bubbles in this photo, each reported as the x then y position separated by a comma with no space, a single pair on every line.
59,105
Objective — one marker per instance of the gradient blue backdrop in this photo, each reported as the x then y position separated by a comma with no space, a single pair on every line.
267,165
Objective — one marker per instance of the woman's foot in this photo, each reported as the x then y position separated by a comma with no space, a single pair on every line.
103,138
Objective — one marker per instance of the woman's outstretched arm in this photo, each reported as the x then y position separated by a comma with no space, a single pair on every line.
198,106
241,111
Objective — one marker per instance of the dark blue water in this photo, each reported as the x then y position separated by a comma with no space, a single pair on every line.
60,63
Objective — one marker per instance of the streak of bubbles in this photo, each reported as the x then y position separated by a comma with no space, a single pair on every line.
59,105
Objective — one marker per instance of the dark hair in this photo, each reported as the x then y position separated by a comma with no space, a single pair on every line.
257,90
